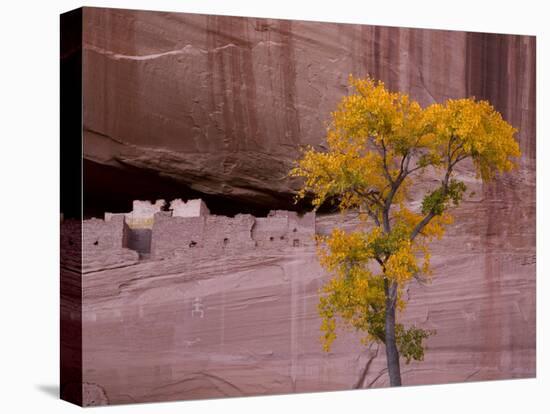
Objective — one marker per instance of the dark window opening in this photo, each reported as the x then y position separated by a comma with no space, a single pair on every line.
139,240
282,237
193,243
296,242
295,230
96,243
225,241
271,239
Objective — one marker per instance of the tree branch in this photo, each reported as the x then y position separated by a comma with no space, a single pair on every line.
458,147
372,215
445,187
421,280
385,163
363,375
389,200
418,167
427,218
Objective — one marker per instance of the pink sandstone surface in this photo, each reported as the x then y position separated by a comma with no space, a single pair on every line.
222,105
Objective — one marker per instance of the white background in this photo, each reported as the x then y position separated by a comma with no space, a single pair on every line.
29,191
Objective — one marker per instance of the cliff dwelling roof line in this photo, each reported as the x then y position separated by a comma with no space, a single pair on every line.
143,210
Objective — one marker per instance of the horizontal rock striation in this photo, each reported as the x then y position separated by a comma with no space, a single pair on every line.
222,105
206,321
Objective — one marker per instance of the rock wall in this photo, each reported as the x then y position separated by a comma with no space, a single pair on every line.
237,319
244,322
222,105
70,312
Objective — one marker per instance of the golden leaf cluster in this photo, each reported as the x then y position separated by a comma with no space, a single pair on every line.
378,143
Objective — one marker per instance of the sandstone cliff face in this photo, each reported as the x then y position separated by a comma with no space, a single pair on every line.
221,105
204,323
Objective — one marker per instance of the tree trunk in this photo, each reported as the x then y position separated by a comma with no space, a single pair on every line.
392,354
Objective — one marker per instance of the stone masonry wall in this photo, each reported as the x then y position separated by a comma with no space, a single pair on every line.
104,244
191,208
176,233
279,230
100,235
284,228
159,234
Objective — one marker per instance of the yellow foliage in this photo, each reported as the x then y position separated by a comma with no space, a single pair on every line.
377,140
374,131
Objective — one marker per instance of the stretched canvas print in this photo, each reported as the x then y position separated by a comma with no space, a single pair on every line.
259,206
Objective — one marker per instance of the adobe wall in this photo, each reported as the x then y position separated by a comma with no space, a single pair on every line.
151,232
142,214
104,243
171,234
100,235
284,228
139,224
176,233
191,208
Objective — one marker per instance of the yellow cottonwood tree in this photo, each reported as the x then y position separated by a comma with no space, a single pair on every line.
378,143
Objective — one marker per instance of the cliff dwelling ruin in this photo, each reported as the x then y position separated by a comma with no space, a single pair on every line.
159,230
